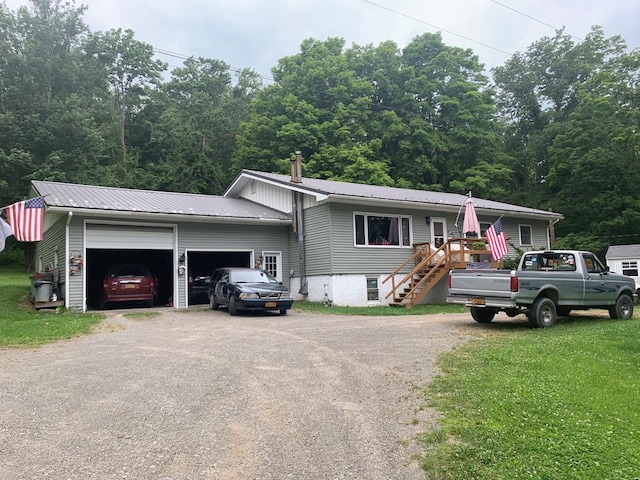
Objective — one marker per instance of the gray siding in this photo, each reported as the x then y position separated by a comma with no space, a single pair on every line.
52,245
347,258
226,237
329,239
76,244
319,231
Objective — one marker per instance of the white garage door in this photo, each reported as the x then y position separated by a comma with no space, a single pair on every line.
129,237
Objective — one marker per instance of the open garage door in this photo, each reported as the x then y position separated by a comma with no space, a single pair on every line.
201,264
109,244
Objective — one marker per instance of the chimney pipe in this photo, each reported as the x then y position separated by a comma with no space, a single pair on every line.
296,167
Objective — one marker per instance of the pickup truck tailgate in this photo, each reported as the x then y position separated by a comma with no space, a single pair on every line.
483,283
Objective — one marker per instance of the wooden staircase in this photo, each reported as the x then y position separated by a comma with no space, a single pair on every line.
429,267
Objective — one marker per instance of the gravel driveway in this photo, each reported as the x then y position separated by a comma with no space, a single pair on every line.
203,395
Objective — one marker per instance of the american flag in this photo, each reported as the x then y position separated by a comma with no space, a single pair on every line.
27,219
497,240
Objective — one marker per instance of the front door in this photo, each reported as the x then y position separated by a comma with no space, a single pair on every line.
438,232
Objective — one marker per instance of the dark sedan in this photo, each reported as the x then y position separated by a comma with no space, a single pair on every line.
247,289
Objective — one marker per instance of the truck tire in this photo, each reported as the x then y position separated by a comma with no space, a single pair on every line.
543,313
623,309
482,315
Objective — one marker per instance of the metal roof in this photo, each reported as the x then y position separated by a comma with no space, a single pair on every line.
327,189
623,251
70,197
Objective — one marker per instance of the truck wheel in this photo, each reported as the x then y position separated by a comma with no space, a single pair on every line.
623,309
482,315
543,313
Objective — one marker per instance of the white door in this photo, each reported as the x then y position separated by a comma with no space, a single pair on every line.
438,232
272,263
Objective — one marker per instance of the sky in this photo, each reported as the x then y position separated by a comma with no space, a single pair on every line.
257,33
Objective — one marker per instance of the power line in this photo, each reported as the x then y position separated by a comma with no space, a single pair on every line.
182,56
437,27
532,18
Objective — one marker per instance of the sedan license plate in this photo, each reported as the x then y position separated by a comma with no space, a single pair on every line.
477,301
130,285
270,304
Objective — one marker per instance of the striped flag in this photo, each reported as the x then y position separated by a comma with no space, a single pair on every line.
27,219
497,240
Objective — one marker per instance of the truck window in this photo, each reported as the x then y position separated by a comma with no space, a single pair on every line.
593,264
549,262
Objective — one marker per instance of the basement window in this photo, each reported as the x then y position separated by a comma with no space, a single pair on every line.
372,289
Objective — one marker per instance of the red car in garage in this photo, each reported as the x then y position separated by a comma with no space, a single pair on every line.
129,283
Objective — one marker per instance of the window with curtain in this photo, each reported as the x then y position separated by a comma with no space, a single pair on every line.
382,230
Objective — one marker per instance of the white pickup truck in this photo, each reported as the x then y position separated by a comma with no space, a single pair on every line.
545,285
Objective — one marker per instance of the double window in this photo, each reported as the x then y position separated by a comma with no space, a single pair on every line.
382,230
630,268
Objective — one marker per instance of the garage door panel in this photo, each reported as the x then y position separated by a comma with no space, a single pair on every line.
129,237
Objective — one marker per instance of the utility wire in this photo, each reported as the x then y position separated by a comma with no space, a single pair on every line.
437,27
532,18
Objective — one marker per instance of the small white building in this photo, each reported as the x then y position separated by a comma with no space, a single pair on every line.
625,259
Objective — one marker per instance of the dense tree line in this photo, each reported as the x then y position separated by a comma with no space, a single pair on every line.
556,127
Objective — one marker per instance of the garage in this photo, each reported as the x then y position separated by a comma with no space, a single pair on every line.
200,264
111,244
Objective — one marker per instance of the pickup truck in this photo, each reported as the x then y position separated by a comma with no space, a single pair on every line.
547,284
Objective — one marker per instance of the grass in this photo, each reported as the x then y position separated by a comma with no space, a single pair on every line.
379,310
558,403
22,325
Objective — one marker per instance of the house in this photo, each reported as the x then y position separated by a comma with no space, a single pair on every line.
625,259
323,239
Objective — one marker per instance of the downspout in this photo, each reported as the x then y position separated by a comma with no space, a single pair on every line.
66,265
298,221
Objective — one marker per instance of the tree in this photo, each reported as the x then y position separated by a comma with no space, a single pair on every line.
196,132
131,72
537,92
417,119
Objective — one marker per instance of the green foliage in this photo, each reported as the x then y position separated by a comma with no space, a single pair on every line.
558,403
20,324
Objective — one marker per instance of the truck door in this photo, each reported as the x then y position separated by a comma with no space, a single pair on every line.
597,288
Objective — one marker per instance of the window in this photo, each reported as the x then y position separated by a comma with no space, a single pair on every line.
630,268
483,228
592,263
380,230
372,289
525,235
549,261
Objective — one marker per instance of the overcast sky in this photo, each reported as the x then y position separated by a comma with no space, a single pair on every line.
257,33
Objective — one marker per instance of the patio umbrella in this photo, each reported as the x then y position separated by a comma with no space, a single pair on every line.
470,223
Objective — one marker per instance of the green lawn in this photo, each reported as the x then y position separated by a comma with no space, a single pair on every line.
558,403
382,310
20,324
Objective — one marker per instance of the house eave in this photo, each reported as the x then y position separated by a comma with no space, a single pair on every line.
440,207
127,214
243,180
